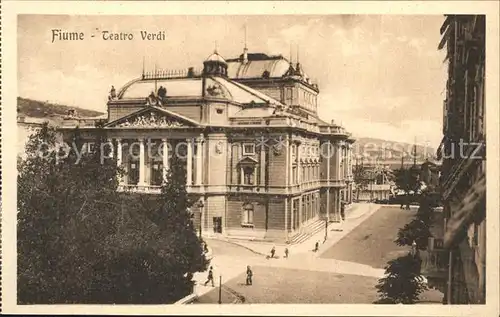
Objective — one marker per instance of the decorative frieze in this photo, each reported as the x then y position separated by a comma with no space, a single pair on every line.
151,120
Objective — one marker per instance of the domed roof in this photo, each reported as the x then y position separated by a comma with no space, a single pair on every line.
215,57
277,66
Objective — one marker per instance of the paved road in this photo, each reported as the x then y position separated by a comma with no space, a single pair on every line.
346,273
292,286
372,242
220,247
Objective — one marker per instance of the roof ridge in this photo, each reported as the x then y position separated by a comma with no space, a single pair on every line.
253,91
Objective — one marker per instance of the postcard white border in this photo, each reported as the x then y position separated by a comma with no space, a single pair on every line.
11,9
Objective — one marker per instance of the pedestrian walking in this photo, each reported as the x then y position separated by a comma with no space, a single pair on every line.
316,246
286,252
210,277
249,275
273,251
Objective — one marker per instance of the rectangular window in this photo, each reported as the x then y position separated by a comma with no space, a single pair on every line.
248,149
247,215
289,97
248,176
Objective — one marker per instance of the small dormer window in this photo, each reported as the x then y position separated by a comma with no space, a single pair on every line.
248,149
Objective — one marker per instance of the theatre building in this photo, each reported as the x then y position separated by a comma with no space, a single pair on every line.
260,163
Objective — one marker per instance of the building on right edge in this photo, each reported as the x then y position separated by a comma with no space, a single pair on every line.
463,152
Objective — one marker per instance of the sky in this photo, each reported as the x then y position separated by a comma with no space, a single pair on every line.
380,76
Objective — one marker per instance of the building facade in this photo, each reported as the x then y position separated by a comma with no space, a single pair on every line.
463,183
260,162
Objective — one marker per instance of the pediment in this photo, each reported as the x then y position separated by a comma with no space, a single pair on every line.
153,117
248,161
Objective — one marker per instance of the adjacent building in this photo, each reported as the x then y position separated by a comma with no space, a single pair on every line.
260,162
462,263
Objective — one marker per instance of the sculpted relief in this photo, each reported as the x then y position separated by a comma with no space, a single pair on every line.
151,120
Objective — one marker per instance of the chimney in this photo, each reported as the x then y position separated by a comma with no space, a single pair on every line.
190,73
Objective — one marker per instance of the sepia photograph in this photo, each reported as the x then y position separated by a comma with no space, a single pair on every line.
217,159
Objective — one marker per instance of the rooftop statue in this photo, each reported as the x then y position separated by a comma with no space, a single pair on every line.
151,100
162,92
112,93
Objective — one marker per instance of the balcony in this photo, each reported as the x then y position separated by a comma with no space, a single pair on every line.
154,189
142,189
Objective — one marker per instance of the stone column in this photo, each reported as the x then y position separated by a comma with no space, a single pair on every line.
119,152
112,152
328,177
142,163
254,183
301,210
199,153
263,166
291,180
288,158
189,168
286,219
165,159
338,160
299,167
349,160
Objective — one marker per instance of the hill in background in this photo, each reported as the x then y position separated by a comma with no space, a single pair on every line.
50,111
377,151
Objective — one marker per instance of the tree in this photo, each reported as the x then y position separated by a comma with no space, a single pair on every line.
161,268
417,231
406,180
65,209
79,241
361,178
402,283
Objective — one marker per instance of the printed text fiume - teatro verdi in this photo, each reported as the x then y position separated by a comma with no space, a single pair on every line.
105,35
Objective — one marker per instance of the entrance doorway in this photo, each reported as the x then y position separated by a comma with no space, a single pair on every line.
217,224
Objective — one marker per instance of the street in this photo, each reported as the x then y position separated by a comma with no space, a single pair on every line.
345,272
372,242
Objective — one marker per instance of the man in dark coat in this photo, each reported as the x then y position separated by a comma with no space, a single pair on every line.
210,277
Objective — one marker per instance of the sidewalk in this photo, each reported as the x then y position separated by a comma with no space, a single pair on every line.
354,216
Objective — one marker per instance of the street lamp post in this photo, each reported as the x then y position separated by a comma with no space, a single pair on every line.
220,289
200,205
